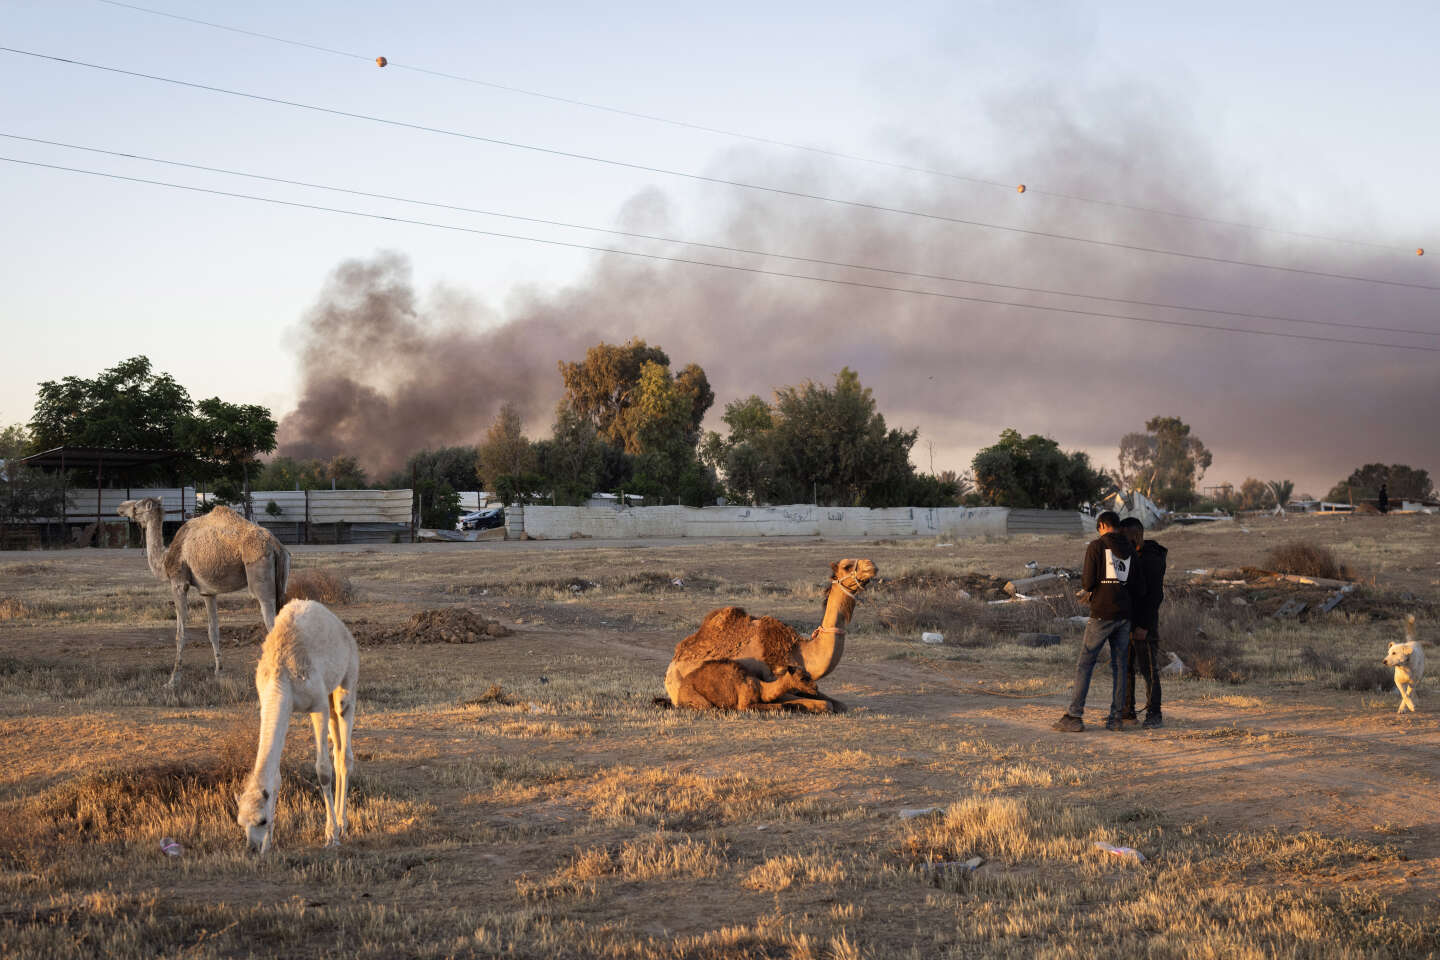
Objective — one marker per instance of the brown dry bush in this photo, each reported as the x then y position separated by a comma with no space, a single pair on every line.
1202,635
320,585
1308,559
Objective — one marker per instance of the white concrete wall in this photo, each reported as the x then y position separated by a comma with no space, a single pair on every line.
800,520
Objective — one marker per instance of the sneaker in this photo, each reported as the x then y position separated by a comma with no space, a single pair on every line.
1114,723
1152,720
1069,724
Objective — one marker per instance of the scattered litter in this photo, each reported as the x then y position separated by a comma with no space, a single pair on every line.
1032,565
536,708
1292,608
171,847
1018,598
544,679
678,582
763,826
1175,668
944,544
932,637
910,813
962,594
1124,853
1239,601
1039,639
1334,600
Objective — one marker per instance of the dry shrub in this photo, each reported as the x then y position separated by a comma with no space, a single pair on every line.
319,585
1364,675
1199,636
13,608
1308,559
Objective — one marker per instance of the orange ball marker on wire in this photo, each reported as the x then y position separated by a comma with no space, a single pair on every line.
1419,251
381,61
1020,189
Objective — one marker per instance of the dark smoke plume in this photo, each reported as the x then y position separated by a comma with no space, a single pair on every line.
381,380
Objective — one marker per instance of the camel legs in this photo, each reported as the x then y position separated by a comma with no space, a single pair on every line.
325,773
213,612
180,591
260,578
342,726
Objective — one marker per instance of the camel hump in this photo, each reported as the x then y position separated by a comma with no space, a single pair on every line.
777,640
722,634
222,535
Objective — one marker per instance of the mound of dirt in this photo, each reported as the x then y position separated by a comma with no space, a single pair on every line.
440,625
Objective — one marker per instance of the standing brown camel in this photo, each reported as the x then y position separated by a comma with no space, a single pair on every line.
220,552
763,647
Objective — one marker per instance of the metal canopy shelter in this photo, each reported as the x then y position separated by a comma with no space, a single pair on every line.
98,459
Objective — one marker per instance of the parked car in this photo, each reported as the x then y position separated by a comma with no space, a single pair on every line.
487,519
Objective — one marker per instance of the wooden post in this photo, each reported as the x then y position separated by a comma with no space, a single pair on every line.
64,501
307,516
99,478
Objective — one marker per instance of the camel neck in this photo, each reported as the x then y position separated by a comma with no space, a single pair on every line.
155,544
275,710
823,650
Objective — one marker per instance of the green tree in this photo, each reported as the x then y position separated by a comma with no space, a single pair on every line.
458,466
26,493
572,459
506,456
287,473
1255,494
604,388
1282,491
224,440
826,443
1166,463
1402,482
1034,472
127,406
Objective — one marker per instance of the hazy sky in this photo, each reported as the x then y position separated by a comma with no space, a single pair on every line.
1313,118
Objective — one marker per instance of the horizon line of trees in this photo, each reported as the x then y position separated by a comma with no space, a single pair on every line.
628,423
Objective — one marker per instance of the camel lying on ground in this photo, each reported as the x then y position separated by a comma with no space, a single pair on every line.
762,647
725,685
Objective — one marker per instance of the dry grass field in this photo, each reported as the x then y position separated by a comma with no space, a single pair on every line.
522,796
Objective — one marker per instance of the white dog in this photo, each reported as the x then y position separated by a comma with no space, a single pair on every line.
1408,659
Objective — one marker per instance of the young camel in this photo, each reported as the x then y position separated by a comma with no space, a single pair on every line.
761,646
725,685
220,552
309,664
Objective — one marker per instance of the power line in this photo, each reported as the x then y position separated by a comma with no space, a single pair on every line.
753,138
722,247
880,208
854,284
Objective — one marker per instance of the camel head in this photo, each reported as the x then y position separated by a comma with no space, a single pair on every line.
142,510
257,816
853,574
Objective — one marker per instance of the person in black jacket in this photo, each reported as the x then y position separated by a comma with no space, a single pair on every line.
1104,580
1148,574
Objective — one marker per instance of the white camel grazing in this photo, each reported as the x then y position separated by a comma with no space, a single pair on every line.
309,664
220,552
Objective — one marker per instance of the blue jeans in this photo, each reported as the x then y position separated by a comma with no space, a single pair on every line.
1097,633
